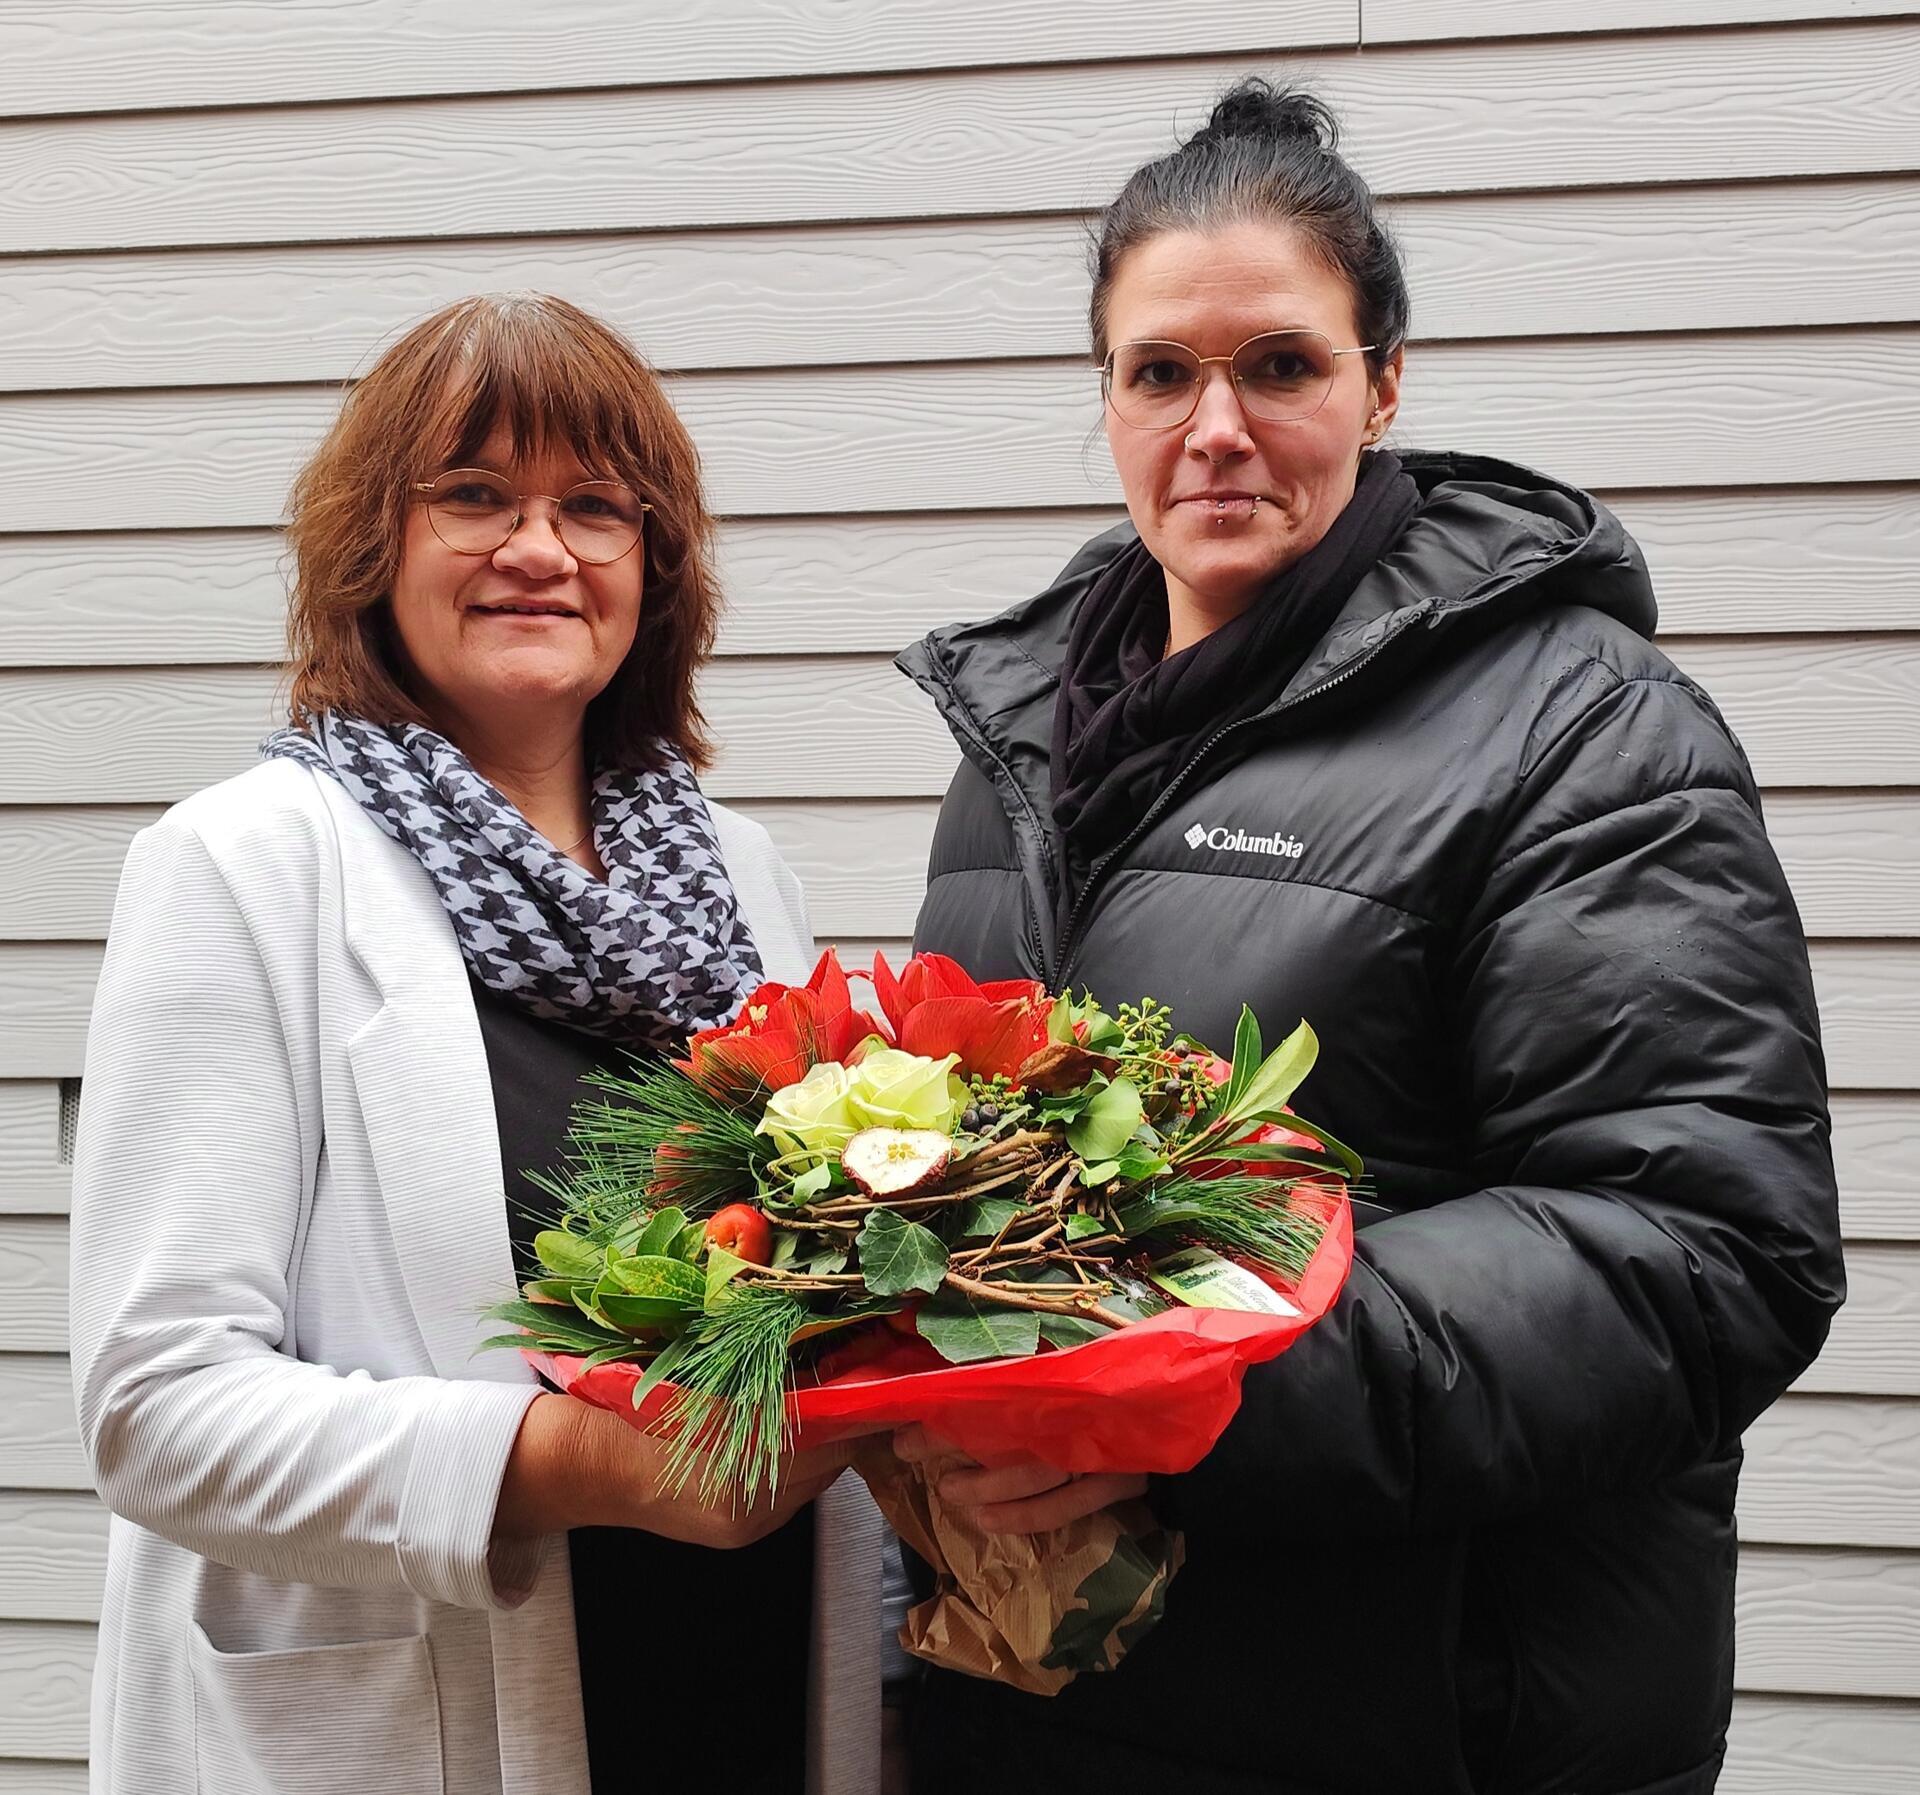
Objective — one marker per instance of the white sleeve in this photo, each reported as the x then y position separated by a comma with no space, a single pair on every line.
198,1136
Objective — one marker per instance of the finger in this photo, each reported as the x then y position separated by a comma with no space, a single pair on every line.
1057,1507
999,1483
917,1446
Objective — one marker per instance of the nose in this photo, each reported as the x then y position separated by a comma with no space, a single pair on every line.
1218,427
535,549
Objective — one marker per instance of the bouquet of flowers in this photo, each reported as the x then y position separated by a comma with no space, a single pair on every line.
1039,1228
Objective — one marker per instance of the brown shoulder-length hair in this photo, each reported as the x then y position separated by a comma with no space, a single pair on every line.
550,374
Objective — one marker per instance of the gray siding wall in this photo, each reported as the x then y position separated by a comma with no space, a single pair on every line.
1668,249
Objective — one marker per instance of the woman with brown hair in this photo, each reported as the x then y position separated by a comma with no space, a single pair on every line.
346,1003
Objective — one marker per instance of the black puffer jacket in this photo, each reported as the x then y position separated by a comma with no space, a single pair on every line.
1475,1532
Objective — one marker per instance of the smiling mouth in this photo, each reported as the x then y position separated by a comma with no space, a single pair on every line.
525,611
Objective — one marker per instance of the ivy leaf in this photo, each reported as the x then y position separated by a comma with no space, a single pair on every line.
1084,1227
1103,1173
568,1256
828,1261
1069,1330
897,1255
987,1216
963,1331
1107,1123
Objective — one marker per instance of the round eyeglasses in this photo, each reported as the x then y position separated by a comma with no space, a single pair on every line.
474,511
1283,376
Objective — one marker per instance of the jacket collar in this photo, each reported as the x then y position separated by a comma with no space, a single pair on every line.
420,1073
1490,539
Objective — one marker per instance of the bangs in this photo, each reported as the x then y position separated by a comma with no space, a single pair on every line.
547,374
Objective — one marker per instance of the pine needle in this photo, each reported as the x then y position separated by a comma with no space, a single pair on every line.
730,1414
655,1139
1247,1217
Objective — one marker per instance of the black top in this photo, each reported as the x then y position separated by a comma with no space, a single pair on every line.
693,1663
1473,1531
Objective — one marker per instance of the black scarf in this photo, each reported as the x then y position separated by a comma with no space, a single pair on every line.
1127,720
646,959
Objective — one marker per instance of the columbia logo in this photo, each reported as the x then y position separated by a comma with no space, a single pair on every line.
1282,847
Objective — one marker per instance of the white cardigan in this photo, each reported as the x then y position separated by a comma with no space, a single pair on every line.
288,1217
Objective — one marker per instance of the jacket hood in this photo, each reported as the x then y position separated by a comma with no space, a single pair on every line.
1490,540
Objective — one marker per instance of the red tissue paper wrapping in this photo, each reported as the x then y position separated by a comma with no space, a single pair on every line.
1151,1397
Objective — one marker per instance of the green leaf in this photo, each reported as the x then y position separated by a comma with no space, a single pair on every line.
1141,1160
963,1331
1339,1156
987,1216
1246,1056
828,1261
553,1290
722,1269
1084,1227
660,1232
693,1237
551,1322
607,1355
1107,1123
1060,1020
1278,1077
811,1184
657,1276
567,1255
1069,1330
897,1255
1103,1173
786,1248
662,1367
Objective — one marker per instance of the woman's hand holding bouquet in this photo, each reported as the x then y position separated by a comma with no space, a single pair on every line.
1044,1239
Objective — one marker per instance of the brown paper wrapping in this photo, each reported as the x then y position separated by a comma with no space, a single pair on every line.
1029,1610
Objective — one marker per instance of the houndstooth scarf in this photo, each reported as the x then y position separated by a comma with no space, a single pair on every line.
656,953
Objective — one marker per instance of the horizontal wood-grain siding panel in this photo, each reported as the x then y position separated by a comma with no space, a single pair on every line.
1793,1613
1813,1622
1876,1149
100,57
55,1561
1833,1471
1785,102
1820,1471
1853,859
1810,712
1505,265
1811,1745
1785,560
46,1669
1762,408
39,1438
1421,21
33,1286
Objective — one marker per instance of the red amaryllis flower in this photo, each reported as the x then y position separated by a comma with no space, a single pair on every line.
781,1033
936,1009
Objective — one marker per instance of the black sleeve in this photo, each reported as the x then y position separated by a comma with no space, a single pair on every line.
1653,1254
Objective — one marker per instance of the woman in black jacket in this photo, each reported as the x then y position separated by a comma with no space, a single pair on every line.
1383,743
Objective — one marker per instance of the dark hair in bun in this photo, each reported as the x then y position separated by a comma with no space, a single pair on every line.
1266,153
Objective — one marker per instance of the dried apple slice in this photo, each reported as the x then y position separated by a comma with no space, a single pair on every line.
890,1162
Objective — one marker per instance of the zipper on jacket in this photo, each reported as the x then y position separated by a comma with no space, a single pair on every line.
1172,790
